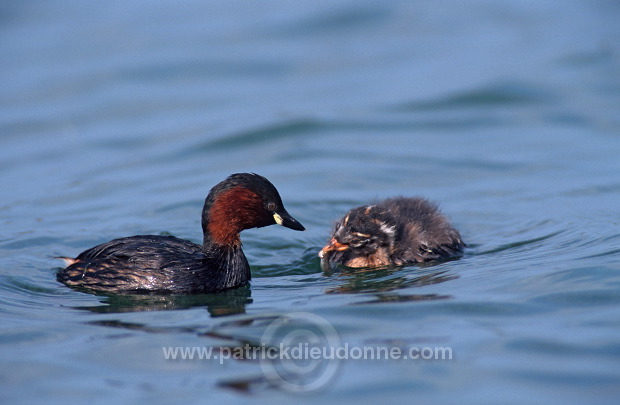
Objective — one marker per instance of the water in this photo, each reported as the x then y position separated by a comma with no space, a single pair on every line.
117,118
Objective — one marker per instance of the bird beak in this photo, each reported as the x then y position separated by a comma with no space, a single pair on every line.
285,219
331,246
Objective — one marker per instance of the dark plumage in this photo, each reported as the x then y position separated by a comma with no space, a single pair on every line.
393,232
165,264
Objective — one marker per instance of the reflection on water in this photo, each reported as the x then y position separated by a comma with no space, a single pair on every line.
246,385
385,279
228,302
379,298
114,323
263,340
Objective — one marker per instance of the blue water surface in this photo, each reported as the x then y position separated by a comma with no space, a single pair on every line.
116,118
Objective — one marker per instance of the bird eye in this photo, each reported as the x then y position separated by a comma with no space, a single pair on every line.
356,243
271,206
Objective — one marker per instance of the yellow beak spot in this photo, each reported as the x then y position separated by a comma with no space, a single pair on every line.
277,218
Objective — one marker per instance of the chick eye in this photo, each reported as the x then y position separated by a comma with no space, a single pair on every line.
358,242
271,206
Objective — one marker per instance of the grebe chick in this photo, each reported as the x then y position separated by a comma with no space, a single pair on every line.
165,264
393,232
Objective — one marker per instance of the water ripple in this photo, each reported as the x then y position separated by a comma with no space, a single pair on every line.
493,96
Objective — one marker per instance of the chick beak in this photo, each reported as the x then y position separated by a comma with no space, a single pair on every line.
331,246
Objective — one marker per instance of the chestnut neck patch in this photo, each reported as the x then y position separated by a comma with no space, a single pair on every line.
232,211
